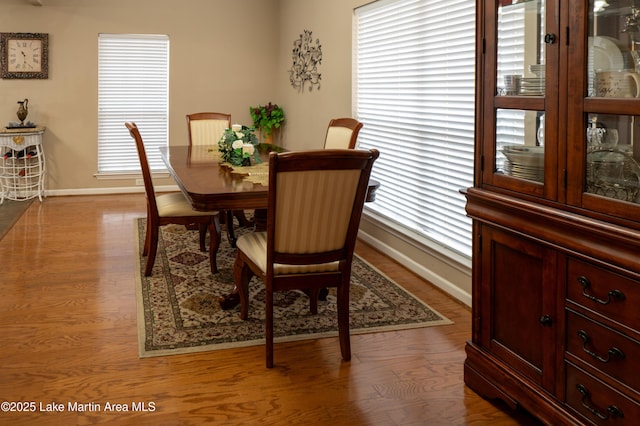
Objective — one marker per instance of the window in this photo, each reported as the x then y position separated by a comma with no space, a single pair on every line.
133,85
414,92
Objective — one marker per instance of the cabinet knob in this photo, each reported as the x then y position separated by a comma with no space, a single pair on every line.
549,38
546,320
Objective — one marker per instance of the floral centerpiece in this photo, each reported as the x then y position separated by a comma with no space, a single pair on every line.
238,146
267,118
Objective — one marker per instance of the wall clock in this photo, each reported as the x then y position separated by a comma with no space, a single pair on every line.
24,55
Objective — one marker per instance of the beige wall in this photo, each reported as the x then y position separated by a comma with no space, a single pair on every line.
222,59
225,56
331,23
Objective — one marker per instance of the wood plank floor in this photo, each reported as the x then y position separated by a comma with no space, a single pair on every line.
68,318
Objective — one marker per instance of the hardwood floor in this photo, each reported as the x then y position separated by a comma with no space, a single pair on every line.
68,317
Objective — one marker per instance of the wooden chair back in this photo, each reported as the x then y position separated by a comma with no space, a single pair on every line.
342,133
206,128
146,171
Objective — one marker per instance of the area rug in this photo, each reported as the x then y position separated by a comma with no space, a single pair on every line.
178,310
10,212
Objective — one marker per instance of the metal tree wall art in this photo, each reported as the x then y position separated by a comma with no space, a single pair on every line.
306,56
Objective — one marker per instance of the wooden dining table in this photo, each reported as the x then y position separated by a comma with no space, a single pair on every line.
209,184
212,185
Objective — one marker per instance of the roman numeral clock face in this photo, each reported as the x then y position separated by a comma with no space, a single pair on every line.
24,55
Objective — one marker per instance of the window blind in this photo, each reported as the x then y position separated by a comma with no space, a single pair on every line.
133,85
510,122
414,92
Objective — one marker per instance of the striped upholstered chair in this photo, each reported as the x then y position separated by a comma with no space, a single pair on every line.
206,128
314,209
342,133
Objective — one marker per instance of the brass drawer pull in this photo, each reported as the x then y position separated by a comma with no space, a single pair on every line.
612,295
611,353
612,410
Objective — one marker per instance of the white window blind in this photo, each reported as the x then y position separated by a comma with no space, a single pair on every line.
415,80
133,85
510,122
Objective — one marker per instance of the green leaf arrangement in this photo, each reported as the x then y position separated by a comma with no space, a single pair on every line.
267,117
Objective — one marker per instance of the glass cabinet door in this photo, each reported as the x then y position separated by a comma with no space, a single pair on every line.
609,142
522,101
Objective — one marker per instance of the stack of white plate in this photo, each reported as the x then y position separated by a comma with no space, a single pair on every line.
537,69
532,86
524,162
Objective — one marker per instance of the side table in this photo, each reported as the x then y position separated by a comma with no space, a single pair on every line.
22,164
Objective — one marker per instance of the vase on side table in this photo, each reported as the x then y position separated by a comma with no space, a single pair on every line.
23,111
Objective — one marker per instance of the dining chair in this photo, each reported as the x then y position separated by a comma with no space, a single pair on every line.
206,128
171,208
314,204
342,133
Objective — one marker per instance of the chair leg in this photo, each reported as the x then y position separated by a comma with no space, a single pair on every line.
214,242
343,321
313,300
147,235
314,296
242,274
147,239
269,326
153,248
242,218
202,230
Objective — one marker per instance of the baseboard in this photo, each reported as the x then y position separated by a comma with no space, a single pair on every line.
445,285
107,191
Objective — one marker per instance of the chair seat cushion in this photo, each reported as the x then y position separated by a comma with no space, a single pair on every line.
175,204
254,246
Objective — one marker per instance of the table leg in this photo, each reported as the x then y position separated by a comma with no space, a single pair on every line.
260,220
230,231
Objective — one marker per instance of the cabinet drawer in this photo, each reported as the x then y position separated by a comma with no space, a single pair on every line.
605,349
605,292
597,402
20,142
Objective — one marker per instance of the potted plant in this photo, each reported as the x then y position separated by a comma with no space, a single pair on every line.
267,118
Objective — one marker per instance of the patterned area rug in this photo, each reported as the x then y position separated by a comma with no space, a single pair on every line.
10,212
178,311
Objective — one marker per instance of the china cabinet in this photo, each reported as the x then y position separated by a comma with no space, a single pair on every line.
556,209
22,164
